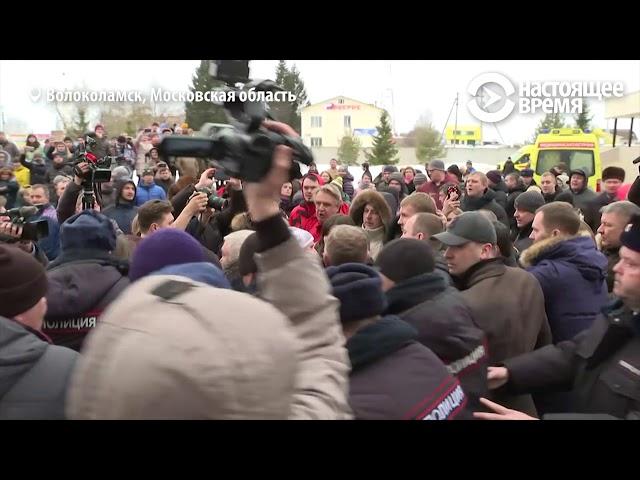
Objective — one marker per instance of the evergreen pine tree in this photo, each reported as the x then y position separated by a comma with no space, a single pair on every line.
198,113
384,151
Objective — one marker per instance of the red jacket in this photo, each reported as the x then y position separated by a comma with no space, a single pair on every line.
304,217
433,191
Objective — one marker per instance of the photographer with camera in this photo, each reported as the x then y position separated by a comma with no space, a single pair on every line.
214,221
50,244
12,234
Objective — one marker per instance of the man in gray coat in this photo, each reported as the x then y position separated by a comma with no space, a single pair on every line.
34,373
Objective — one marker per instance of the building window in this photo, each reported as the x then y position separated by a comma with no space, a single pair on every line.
347,121
316,121
316,141
341,101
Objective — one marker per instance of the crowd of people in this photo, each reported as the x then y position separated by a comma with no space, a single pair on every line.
445,294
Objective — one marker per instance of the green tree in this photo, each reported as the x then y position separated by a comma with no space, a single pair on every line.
198,113
349,150
289,111
550,120
80,123
384,151
428,143
583,120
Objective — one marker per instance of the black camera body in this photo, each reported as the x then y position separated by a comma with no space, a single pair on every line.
213,200
99,171
32,230
245,150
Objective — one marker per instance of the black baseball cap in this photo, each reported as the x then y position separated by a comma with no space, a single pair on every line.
468,227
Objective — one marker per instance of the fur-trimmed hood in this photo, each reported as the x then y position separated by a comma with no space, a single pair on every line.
377,201
579,250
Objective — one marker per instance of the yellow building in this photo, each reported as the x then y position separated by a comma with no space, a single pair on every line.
325,123
463,135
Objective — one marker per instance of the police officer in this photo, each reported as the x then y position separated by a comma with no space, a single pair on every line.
601,365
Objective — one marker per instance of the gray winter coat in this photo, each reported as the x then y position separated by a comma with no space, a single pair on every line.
33,376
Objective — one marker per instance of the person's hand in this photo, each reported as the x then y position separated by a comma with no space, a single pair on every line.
263,199
27,148
84,168
10,230
206,179
449,206
197,203
501,413
497,377
235,183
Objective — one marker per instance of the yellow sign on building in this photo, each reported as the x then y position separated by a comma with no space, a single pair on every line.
325,123
463,135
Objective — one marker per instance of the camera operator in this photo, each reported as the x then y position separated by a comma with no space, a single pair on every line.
39,197
211,228
12,234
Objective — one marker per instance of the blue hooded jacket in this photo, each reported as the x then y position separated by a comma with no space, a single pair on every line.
572,274
144,193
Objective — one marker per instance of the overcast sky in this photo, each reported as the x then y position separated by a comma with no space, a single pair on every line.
416,87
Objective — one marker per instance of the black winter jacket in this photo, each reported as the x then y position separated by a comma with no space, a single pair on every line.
394,377
600,366
445,325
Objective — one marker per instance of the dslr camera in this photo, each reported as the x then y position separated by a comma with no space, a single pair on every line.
245,149
213,200
32,230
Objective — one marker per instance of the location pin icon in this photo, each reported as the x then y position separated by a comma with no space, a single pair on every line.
35,94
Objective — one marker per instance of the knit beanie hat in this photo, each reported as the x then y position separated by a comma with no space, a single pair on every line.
167,246
494,176
88,230
337,182
23,281
529,201
405,258
419,179
359,289
389,169
396,176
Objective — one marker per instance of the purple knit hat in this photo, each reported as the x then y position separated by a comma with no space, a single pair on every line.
165,247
